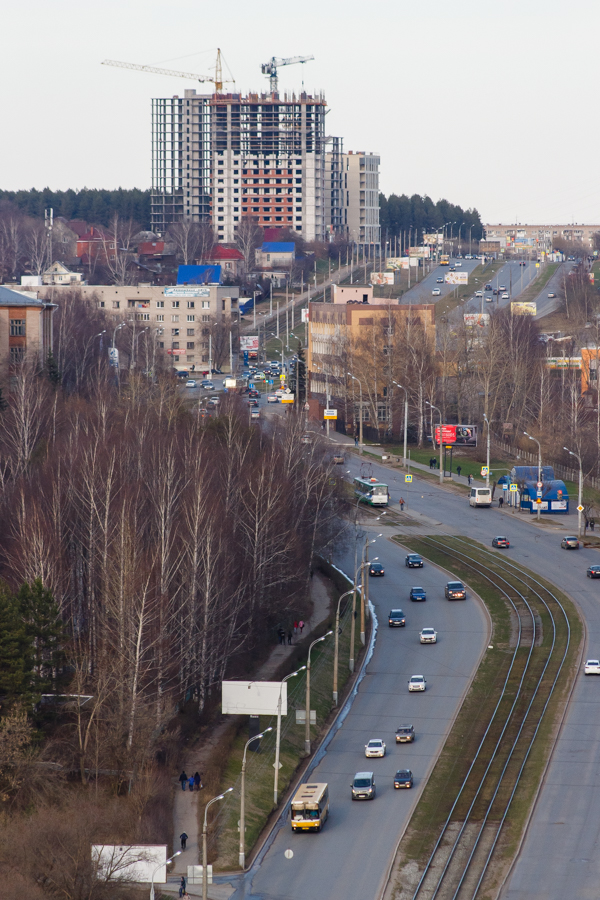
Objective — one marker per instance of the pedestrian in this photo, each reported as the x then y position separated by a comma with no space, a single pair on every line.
290,638
296,627
356,440
183,838
281,634
191,783
430,462
469,479
592,523
182,885
301,625
500,501
183,779
458,470
197,780
401,502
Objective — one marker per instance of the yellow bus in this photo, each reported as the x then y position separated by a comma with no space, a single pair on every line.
310,807
444,259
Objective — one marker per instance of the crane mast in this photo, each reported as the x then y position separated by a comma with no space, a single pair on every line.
274,63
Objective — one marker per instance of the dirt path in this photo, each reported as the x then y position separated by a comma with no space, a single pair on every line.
197,757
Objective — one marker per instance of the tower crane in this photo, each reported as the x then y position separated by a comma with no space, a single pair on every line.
271,67
217,79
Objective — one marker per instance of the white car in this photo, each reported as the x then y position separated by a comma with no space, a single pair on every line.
375,748
271,398
505,296
417,683
279,392
428,636
191,383
479,293
436,292
592,667
458,265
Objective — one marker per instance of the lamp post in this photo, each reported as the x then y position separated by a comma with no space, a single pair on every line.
580,492
242,856
204,831
134,343
360,417
160,865
433,435
337,645
278,739
307,711
539,505
364,563
487,477
405,414
122,325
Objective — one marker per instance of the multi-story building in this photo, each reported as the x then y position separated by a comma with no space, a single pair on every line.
361,196
223,158
25,329
540,237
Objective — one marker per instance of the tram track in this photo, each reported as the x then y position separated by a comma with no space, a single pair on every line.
458,867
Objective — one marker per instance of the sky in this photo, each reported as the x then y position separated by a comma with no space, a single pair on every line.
488,104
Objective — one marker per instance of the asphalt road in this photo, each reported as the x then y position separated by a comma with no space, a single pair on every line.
546,304
422,291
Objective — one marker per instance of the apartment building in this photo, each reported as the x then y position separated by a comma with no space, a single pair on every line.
25,329
540,237
361,197
223,158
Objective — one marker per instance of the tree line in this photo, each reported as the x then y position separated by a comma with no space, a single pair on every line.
95,205
420,215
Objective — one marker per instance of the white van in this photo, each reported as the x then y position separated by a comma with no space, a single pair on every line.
480,496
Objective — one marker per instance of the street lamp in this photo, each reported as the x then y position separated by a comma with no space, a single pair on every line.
278,740
539,505
487,477
580,494
242,857
337,645
405,414
433,436
364,588
134,342
307,710
160,865
204,830
360,417
122,325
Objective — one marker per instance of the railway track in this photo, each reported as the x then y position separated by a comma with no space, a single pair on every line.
459,865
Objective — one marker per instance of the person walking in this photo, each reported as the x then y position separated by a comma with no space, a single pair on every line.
182,885
500,501
296,627
290,638
197,780
183,838
191,784
301,626
183,779
458,470
469,479
401,502
356,440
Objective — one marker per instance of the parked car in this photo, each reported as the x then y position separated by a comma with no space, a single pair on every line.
190,383
376,569
396,618
455,590
417,683
593,572
413,561
592,667
363,786
570,543
428,636
375,748
500,542
418,594
405,734
403,778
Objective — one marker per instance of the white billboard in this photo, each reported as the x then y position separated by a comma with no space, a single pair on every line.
248,342
253,698
420,252
523,308
130,862
186,291
477,319
381,278
396,262
457,277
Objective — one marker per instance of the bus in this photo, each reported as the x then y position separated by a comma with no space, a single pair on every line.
444,260
310,807
371,491
480,497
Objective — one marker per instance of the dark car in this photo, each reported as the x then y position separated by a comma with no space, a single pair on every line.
405,734
413,561
251,402
418,594
500,542
455,590
439,280
593,572
376,569
403,778
254,394
396,618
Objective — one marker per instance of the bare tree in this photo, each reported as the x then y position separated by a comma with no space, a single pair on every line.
249,236
193,240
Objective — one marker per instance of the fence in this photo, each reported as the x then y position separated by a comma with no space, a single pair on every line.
563,472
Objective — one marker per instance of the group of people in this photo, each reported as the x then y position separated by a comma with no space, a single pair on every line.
183,887
433,462
298,629
194,782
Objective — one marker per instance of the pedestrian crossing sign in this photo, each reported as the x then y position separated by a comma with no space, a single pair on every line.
408,478
485,470
514,488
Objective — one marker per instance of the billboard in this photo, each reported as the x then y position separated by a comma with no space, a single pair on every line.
523,308
457,278
253,698
130,862
433,238
113,357
382,278
396,262
181,291
420,252
564,362
248,342
472,320
461,435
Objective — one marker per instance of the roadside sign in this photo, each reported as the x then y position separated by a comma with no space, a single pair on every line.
408,478
306,406
485,470
580,508
504,487
539,485
514,488
330,414
539,500
537,265
251,385
538,493
287,398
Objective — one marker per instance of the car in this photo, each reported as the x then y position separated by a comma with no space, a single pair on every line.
417,683
254,394
488,287
271,398
502,287
428,636
552,295
455,590
413,561
376,569
338,460
505,296
418,594
500,542
375,748
207,385
479,293
215,401
306,439
436,292
279,392
494,292
458,265
405,734
403,778
593,572
396,618
190,383
592,667
569,543
252,402
363,786
259,376
439,280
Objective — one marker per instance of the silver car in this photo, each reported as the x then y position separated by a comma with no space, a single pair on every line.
375,748
363,786
428,636
417,683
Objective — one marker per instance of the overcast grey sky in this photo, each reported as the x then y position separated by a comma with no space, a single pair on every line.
488,104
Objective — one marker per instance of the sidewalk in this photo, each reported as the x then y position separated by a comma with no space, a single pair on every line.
185,806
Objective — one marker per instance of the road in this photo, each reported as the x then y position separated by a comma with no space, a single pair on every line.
546,304
421,292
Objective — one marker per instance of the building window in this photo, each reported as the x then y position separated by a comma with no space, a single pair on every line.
161,344
160,304
116,304
174,318
175,331
205,357
102,304
206,304
206,331
142,317
17,327
160,318
17,355
175,304
206,318
191,304
190,345
190,332
191,318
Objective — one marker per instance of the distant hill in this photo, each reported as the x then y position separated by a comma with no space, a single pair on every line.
91,205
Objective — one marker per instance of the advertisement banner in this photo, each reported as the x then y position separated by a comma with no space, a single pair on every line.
396,262
181,291
472,320
248,342
330,414
457,278
287,398
523,308
381,278
564,362
433,238
461,435
420,252
113,357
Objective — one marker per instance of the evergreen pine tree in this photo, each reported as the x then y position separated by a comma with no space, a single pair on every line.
53,373
3,403
44,631
15,648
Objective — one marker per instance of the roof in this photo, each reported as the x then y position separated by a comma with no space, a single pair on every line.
278,247
149,248
9,297
219,252
199,275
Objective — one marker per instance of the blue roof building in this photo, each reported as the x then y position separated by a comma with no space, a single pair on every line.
199,275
